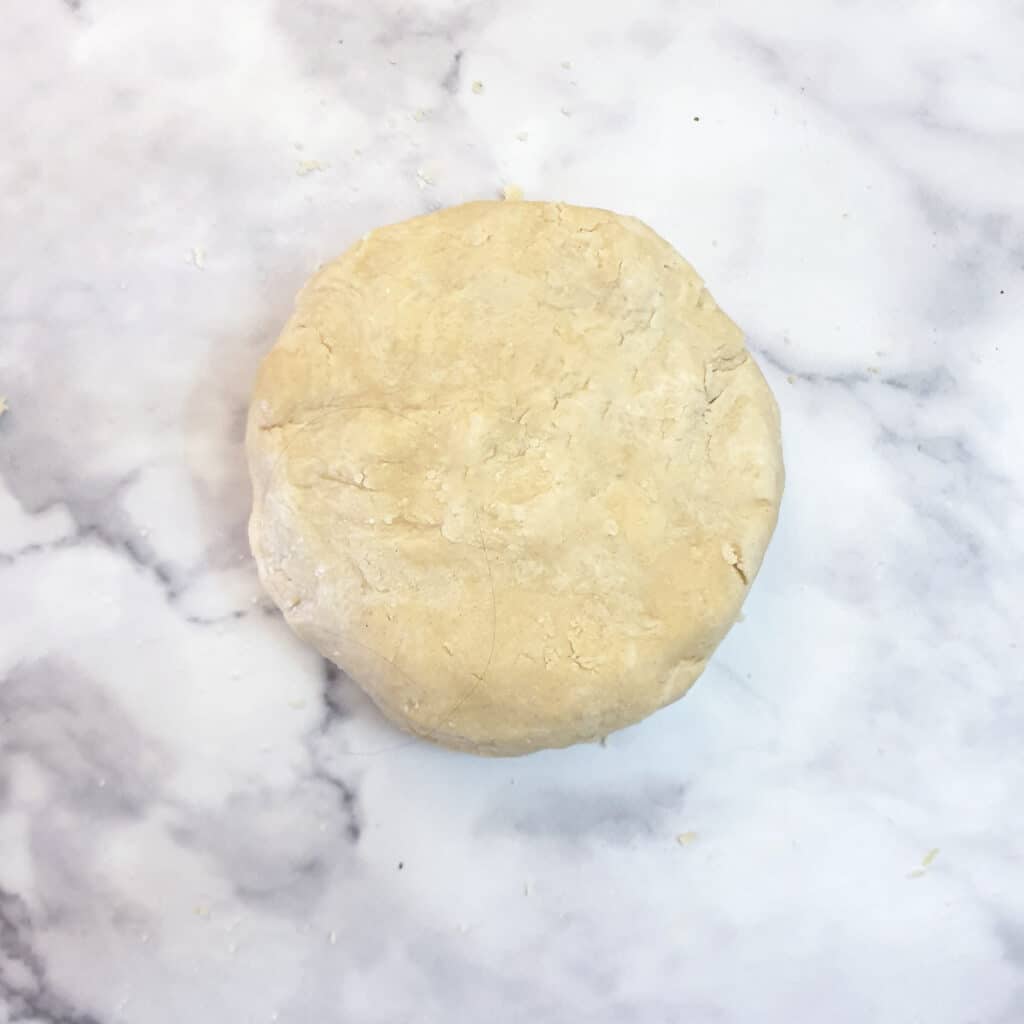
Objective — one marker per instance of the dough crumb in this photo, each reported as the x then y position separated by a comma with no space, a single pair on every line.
3,405
513,193
478,87
197,257
790,379
686,838
567,64
926,862
421,115
522,136
304,167
423,178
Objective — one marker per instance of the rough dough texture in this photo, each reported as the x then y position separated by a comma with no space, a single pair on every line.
514,472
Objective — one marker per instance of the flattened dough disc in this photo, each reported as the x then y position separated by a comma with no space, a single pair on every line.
514,472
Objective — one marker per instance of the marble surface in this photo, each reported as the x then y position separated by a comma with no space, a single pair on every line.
200,823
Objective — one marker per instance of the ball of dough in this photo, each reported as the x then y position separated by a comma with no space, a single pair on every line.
514,472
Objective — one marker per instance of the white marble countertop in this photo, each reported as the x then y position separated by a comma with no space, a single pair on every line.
198,823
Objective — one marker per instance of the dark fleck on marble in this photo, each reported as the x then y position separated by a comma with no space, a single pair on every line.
450,82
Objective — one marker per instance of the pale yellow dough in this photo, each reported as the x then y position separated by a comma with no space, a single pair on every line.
514,472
